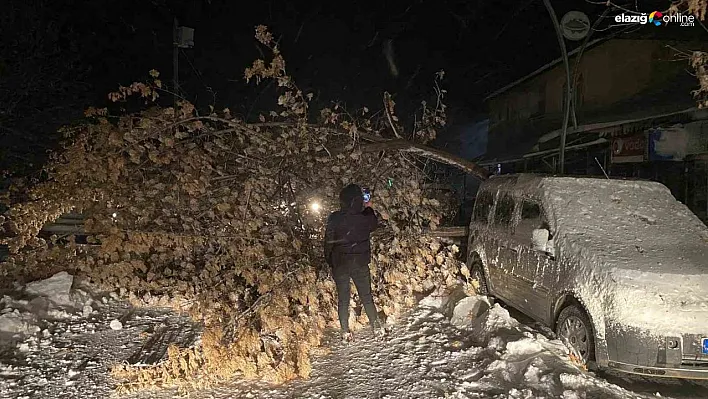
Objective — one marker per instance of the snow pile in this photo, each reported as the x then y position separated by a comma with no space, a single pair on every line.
116,325
469,309
56,288
58,339
492,356
16,323
39,304
446,299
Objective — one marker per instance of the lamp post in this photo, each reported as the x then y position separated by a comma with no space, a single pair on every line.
568,90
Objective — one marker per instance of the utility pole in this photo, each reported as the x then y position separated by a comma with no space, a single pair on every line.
576,68
175,62
182,37
568,89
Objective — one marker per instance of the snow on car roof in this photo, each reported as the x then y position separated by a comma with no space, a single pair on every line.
623,212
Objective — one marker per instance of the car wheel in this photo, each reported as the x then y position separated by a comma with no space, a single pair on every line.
477,273
575,330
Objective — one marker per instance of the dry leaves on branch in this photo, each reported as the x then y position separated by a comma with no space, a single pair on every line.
212,216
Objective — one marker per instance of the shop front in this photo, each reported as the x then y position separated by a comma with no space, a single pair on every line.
675,155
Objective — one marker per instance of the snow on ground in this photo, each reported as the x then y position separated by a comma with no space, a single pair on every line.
426,356
59,342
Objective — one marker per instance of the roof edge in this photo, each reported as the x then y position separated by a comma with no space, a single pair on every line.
543,68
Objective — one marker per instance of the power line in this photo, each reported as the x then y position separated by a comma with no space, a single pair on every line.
200,77
511,18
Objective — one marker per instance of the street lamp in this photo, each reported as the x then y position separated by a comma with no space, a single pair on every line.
576,26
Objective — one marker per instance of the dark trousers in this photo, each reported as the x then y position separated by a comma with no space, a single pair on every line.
355,267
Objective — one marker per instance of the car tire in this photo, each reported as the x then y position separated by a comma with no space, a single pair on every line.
575,329
477,273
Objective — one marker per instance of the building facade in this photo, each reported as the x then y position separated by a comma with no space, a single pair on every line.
634,115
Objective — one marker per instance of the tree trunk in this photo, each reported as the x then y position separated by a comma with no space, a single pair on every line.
430,153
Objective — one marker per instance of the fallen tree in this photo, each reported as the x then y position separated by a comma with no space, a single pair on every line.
430,153
217,218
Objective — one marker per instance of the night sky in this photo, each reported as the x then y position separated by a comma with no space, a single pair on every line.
58,57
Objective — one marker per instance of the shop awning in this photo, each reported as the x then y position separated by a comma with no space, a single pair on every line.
602,130
624,127
538,154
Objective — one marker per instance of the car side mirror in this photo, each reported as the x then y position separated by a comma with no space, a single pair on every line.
539,239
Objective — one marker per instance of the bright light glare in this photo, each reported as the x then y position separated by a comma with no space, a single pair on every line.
315,206
115,215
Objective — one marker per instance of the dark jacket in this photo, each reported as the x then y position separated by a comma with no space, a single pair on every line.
348,230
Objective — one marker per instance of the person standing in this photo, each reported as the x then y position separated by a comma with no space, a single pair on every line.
348,253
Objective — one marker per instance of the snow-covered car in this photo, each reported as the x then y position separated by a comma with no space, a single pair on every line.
618,268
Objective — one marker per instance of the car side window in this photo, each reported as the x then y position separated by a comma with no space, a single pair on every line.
504,214
530,219
482,206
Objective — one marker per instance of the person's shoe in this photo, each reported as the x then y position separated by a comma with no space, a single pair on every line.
347,337
379,330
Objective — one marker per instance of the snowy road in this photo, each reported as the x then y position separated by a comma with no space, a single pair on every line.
440,350
61,344
427,356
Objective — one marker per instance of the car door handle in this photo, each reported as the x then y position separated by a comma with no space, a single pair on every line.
548,255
